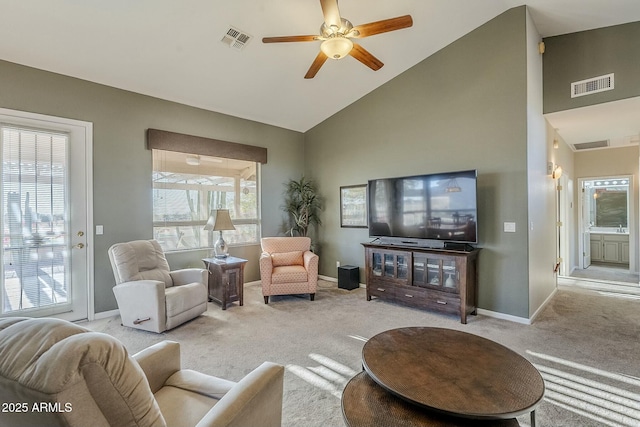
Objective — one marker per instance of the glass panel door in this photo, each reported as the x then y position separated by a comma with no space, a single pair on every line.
403,267
40,225
450,274
419,270
389,265
434,277
376,264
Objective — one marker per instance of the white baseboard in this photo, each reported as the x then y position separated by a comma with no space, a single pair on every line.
105,314
543,305
503,316
333,279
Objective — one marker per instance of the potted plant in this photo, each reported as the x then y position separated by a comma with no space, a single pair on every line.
303,204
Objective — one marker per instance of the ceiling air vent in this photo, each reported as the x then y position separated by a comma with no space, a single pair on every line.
591,145
236,39
593,85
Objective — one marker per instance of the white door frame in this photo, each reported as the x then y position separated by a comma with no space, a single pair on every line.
632,226
86,130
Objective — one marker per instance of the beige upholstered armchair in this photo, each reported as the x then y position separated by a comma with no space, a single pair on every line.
287,266
57,373
151,297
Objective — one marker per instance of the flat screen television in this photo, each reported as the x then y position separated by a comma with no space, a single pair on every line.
439,206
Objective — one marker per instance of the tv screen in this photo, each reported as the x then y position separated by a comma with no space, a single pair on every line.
438,206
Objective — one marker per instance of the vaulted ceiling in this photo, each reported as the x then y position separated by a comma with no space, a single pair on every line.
173,49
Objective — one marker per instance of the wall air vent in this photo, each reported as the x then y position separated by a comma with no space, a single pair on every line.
236,39
591,145
593,85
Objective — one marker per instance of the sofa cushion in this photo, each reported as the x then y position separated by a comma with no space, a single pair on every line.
289,274
286,258
182,298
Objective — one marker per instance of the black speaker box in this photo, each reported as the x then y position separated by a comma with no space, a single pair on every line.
348,277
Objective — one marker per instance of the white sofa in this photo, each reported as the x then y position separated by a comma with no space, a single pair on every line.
56,373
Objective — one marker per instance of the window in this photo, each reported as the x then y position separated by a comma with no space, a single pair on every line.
187,187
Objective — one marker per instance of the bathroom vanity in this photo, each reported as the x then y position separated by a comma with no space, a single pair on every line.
610,246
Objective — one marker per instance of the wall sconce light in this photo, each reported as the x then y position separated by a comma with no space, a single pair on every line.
557,172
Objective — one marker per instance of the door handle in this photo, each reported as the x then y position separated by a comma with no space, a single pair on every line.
79,246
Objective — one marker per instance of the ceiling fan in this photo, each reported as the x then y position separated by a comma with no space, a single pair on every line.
336,34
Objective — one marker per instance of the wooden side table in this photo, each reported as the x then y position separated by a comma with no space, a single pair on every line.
226,280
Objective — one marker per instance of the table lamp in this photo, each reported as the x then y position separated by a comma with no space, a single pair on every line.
220,220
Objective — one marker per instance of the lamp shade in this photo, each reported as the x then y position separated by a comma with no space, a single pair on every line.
219,220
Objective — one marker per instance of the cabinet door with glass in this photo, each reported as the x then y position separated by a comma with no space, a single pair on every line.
435,271
391,265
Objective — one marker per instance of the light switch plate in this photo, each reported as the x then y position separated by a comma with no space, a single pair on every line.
509,227
99,230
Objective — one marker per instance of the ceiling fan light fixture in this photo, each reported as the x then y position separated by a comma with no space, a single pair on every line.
336,47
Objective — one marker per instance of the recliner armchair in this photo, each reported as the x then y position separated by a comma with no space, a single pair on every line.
287,266
149,296
56,373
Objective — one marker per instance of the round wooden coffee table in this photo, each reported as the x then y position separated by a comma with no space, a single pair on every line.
454,373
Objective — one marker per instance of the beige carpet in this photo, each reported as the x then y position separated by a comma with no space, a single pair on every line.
585,344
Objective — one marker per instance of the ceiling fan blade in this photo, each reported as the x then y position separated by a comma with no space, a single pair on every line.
386,25
281,39
315,67
331,12
363,55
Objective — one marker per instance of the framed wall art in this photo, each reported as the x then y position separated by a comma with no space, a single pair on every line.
353,206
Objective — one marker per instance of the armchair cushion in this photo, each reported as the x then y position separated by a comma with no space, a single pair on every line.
183,407
197,382
189,275
182,298
286,258
140,260
289,274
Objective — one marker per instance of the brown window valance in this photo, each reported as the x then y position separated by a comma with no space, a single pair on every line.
171,141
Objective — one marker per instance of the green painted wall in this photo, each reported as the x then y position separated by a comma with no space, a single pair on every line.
122,163
578,56
465,107
541,188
